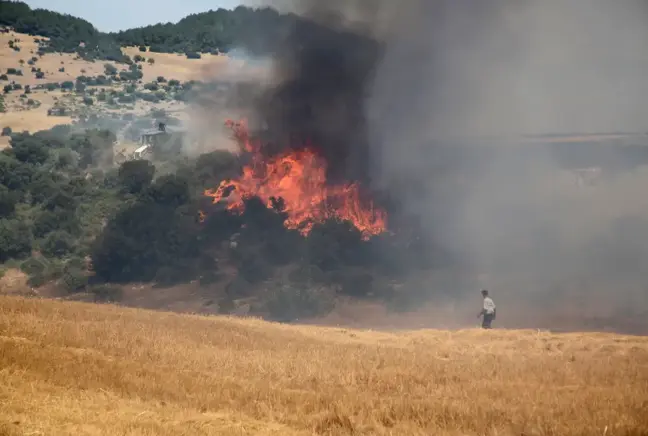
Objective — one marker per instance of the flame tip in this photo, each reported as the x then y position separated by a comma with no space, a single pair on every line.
298,177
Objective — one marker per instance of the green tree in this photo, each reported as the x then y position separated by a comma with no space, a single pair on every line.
136,175
29,149
8,200
57,244
15,239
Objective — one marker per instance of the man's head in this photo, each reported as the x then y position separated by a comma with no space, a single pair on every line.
484,293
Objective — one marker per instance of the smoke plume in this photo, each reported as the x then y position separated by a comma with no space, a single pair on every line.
406,96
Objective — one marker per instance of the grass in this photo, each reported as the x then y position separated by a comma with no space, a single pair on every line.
82,369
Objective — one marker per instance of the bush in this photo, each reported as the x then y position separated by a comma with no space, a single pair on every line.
110,69
15,239
33,266
193,55
107,293
6,131
39,74
8,201
136,175
38,269
74,277
58,244
142,48
287,303
151,86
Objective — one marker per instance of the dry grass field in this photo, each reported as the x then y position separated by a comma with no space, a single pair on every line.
82,369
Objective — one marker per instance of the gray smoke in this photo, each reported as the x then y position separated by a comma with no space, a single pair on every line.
454,72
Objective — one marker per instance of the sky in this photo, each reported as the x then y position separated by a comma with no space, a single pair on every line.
114,15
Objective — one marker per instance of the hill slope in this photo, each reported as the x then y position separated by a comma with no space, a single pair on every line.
256,30
73,368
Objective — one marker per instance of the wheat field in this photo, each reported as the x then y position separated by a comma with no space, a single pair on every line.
82,369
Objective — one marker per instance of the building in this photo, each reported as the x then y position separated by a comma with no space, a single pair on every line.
162,141
161,135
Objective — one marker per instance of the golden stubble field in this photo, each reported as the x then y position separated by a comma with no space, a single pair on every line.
83,369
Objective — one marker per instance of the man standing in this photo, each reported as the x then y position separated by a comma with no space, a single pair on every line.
488,311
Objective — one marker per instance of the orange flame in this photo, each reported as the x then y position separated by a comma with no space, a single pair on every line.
299,179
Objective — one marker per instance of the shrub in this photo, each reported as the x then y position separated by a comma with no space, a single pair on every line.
107,293
15,239
110,69
57,244
287,303
74,277
151,86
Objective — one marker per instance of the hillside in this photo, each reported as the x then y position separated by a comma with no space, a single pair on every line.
79,369
255,30
34,84
84,217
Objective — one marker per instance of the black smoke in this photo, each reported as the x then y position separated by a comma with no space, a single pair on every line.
412,98
322,75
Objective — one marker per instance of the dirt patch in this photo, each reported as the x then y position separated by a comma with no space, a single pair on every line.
14,282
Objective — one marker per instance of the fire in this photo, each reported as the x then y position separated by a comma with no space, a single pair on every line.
299,179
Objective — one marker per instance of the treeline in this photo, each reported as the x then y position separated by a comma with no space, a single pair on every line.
65,32
256,30
69,215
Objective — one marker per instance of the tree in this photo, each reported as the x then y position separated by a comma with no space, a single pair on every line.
136,175
8,200
110,69
15,239
145,238
14,174
57,244
171,190
29,149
